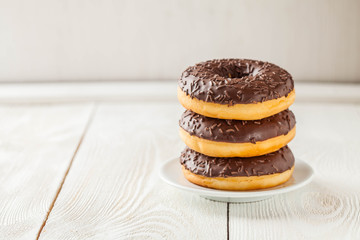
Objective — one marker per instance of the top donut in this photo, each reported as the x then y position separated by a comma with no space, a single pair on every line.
240,89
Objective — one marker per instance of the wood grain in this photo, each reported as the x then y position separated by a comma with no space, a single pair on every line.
36,146
329,208
113,190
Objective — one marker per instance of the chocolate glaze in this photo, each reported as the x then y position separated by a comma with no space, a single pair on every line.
235,81
200,164
237,131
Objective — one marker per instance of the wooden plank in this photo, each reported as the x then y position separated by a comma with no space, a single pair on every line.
36,146
113,190
328,139
144,91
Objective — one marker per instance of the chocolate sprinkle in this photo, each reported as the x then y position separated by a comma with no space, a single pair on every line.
237,131
235,81
200,164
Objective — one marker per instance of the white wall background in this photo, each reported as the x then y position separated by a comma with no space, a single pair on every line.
61,40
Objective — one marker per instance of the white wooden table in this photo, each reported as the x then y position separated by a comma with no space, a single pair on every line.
80,161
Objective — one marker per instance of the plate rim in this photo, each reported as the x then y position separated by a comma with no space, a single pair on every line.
237,194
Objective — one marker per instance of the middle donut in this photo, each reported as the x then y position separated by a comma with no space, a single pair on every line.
236,138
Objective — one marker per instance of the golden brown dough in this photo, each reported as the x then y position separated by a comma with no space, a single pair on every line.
239,183
252,111
227,149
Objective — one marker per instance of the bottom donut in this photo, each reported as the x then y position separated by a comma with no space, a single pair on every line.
238,174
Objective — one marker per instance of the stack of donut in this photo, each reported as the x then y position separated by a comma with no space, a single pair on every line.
237,124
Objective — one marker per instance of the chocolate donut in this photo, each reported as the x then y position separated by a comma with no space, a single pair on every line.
239,89
236,138
238,173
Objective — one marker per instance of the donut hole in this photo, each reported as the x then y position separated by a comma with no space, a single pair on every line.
233,71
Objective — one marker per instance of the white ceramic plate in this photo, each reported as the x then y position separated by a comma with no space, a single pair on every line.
171,173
